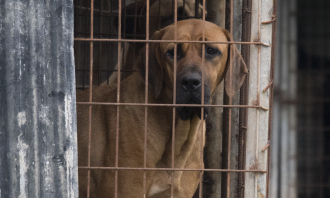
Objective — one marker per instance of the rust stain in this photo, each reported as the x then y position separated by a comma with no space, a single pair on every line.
257,39
254,166
255,102
260,195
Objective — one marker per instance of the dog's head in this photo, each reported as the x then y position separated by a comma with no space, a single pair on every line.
193,64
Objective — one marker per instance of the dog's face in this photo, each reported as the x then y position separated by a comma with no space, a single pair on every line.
196,68
190,64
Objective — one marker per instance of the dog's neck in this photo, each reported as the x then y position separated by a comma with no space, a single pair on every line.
185,142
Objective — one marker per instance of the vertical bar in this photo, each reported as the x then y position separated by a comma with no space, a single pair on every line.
244,93
202,109
236,124
118,96
230,98
99,79
90,97
258,99
146,101
271,97
174,90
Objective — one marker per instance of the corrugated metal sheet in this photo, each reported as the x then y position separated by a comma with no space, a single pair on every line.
38,151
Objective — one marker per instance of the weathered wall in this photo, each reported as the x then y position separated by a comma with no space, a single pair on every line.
38,156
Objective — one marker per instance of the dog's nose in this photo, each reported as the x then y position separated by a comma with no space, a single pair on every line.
191,83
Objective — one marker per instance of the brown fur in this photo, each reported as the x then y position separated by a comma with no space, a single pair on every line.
189,134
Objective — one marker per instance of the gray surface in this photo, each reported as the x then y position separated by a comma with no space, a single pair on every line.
38,156
258,119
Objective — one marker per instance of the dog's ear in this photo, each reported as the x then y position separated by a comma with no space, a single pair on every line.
238,69
156,70
132,20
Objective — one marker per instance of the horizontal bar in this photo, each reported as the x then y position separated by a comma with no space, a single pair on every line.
107,70
166,41
169,105
168,169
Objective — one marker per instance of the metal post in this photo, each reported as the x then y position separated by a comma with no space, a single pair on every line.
259,77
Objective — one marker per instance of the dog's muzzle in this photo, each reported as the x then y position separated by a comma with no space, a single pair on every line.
189,91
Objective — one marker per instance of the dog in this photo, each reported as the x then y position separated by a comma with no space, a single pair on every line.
189,121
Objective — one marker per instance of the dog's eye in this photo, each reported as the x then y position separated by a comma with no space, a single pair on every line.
170,53
211,52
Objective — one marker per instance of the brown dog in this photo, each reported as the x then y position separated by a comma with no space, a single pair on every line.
189,128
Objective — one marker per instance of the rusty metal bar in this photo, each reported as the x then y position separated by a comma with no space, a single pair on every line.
171,105
230,98
202,102
169,41
244,92
171,169
174,91
270,21
271,91
90,97
266,147
112,70
146,102
258,98
268,86
134,15
118,95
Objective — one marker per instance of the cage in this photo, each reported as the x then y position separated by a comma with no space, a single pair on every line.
108,38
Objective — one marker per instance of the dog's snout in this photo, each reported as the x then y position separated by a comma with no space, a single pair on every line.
191,83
